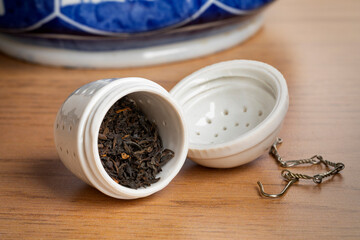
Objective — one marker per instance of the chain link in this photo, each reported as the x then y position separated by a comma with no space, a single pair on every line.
294,177
314,160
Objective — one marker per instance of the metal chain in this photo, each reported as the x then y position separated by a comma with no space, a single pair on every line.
294,177
314,160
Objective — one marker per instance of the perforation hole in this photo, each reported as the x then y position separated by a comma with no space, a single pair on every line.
60,149
236,124
148,101
216,135
67,151
70,128
245,109
247,124
63,127
260,113
208,120
198,133
224,128
140,101
226,112
164,123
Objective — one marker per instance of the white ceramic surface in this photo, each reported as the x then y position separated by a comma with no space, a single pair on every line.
78,121
132,57
233,111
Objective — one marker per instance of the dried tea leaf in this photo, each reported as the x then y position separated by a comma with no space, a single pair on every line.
130,147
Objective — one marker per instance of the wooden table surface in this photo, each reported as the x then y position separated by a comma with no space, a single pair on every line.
315,44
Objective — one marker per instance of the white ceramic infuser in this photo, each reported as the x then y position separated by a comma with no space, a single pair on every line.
233,110
225,115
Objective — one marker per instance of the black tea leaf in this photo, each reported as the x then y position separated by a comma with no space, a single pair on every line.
130,147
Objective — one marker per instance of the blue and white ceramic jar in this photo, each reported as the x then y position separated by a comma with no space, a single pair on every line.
123,33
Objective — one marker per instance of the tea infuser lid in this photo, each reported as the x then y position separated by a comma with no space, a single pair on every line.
233,111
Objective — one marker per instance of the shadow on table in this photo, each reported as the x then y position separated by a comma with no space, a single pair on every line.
58,182
61,184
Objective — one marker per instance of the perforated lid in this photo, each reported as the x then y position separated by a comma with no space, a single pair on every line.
233,111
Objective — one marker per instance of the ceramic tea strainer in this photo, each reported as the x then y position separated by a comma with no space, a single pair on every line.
221,116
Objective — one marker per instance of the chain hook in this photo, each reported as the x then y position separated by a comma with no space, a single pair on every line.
263,193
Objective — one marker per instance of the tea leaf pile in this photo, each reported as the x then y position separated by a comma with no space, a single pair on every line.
130,147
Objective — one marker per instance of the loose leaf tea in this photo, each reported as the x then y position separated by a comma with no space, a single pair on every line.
130,147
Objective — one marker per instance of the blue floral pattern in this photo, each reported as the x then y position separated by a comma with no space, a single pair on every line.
114,17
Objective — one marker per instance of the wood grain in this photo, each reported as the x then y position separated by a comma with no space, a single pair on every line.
315,44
